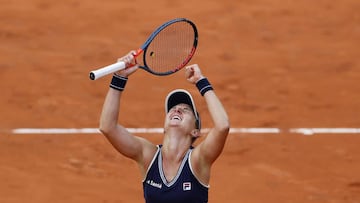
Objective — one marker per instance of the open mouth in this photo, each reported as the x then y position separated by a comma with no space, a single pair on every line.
175,117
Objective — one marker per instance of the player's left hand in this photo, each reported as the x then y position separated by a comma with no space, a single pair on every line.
193,73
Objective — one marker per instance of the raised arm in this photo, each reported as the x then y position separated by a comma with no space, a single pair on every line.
131,146
211,147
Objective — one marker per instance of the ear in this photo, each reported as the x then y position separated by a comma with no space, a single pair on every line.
195,133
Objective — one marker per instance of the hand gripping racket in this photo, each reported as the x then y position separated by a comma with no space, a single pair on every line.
168,49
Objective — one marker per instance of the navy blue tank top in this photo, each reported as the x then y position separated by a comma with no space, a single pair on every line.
184,188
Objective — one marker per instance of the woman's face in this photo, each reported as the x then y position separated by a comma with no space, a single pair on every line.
181,115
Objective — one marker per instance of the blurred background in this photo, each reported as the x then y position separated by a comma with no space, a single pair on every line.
274,64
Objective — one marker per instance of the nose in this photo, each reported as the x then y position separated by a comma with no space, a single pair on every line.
178,109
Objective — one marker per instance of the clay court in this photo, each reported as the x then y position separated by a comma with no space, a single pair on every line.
274,64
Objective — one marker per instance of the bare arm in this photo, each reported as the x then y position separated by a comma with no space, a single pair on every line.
214,142
210,149
131,146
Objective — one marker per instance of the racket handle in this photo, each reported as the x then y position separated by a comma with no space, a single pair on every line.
96,74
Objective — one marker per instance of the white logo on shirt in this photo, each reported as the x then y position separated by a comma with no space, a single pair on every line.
187,186
152,183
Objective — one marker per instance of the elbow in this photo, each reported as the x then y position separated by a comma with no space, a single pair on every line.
105,129
223,127
226,128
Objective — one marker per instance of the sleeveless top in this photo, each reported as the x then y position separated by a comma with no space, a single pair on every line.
184,188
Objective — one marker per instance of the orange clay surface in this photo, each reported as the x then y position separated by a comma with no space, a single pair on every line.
273,63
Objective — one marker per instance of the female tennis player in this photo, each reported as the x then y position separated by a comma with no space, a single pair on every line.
173,171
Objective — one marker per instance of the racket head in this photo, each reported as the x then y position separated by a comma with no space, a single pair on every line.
170,47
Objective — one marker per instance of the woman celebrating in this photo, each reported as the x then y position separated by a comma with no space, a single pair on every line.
175,171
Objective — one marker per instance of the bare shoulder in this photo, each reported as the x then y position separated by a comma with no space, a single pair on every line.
200,167
148,152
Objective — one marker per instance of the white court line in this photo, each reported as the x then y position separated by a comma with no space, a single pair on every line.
304,131
310,131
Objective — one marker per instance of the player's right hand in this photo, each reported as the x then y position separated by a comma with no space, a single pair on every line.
131,64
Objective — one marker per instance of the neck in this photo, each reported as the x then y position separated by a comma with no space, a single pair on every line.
175,145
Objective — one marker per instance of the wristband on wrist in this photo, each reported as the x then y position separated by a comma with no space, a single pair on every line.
118,82
203,86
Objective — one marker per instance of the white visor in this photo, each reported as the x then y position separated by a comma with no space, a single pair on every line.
181,96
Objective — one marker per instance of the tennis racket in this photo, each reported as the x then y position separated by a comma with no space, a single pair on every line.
168,49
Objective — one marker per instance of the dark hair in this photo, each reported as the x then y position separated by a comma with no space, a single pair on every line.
197,121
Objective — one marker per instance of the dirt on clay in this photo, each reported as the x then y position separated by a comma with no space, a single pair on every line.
274,64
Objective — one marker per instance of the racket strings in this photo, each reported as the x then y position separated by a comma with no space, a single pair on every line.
171,49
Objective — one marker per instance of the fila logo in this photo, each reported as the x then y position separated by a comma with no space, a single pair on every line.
187,186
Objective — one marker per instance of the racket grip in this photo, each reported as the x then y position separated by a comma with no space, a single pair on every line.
96,74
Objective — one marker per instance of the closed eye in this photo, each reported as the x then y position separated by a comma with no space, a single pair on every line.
185,109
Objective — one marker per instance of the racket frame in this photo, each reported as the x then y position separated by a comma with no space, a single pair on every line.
96,74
